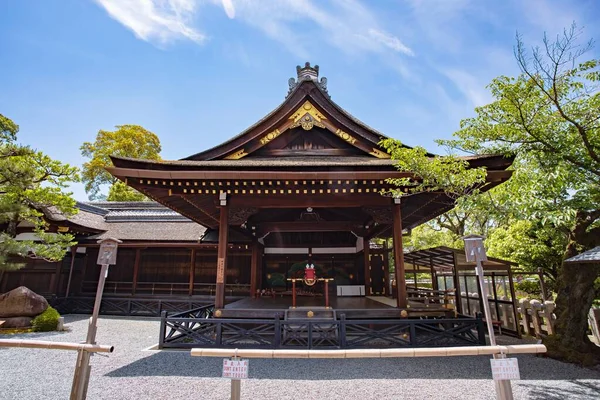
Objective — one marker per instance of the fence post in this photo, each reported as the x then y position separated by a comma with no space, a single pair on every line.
536,307
342,331
413,334
480,329
277,327
310,335
219,337
163,327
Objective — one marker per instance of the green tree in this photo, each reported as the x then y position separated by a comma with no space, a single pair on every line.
31,188
127,141
548,118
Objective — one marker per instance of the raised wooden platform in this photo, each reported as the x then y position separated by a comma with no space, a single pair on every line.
352,307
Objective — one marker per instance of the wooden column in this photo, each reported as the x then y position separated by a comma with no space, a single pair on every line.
222,253
192,272
434,282
457,295
136,270
54,281
399,255
386,268
366,251
254,268
73,254
259,270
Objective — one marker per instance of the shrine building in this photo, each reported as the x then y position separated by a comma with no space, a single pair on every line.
236,225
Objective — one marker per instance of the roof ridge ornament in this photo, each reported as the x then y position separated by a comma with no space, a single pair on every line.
307,73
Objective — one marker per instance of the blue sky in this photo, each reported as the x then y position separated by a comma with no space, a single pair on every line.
197,72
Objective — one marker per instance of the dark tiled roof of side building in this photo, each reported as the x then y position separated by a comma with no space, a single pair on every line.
137,221
590,256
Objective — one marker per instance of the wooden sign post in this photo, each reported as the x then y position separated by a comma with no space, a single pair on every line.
107,255
235,369
475,252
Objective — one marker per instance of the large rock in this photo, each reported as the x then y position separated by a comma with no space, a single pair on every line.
16,322
21,302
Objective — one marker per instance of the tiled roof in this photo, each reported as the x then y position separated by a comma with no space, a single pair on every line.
147,231
142,220
590,256
257,162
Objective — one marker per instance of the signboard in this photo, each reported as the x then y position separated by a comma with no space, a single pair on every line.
107,255
235,369
221,270
474,249
504,369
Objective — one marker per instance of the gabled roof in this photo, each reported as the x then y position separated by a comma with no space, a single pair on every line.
307,105
308,152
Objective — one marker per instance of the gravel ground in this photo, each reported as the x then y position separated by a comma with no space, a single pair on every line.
131,373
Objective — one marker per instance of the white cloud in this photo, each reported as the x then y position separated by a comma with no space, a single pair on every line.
229,8
157,21
390,41
470,86
345,24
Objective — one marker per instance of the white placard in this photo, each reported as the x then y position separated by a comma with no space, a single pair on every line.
235,369
505,369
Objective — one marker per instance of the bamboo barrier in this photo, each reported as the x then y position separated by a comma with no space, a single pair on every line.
43,344
372,353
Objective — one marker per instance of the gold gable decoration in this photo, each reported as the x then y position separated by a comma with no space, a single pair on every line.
237,155
379,154
307,116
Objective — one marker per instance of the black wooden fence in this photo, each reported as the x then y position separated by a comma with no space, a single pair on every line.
150,307
198,328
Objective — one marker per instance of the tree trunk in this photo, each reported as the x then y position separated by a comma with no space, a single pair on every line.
575,296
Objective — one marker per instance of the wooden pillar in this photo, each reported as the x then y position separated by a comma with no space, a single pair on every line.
73,254
366,253
399,255
55,279
136,270
457,295
259,265
386,268
254,268
434,282
192,272
222,252
514,301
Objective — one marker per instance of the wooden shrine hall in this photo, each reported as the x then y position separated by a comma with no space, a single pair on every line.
305,185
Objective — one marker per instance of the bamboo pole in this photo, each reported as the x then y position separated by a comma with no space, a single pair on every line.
373,353
44,344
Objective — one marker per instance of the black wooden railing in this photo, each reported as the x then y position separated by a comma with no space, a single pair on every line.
199,329
125,305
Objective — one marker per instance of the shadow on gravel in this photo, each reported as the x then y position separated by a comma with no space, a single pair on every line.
182,364
578,390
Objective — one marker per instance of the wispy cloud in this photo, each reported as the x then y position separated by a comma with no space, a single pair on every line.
470,86
390,41
156,21
345,24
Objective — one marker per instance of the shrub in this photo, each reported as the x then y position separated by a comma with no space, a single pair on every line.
46,321
532,288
